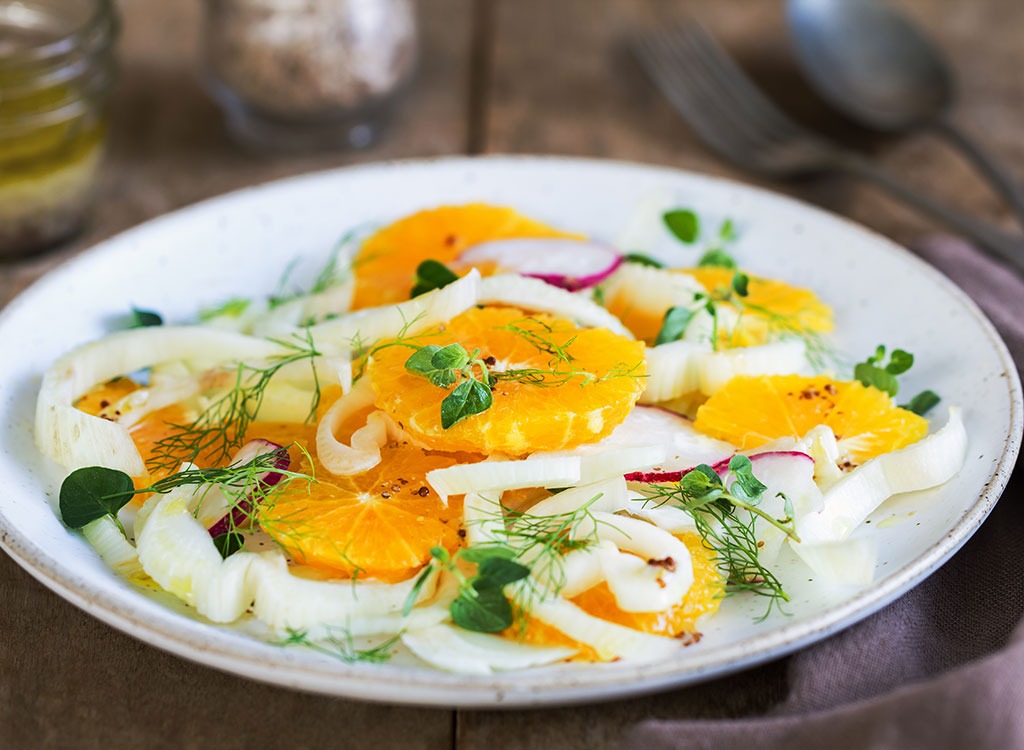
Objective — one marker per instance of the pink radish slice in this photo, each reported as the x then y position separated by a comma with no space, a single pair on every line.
721,467
241,512
569,264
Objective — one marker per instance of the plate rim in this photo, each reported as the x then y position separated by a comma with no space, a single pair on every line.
374,684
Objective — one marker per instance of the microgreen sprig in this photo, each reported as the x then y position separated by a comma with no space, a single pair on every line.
876,372
731,536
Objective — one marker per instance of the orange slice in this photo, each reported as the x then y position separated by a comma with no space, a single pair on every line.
750,411
380,524
385,266
570,401
770,308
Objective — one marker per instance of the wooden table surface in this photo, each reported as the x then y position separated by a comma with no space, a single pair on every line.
498,76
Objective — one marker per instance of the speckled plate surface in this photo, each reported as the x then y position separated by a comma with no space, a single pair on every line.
240,243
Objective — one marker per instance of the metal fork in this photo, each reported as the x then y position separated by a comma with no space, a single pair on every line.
733,116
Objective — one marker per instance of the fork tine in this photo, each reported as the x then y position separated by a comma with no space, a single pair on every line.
661,62
727,116
734,81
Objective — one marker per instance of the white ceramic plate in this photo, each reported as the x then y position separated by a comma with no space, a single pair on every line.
239,244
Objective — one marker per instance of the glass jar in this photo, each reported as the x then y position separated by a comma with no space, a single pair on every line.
56,71
308,74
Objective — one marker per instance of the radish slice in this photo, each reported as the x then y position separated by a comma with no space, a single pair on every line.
787,474
566,263
233,515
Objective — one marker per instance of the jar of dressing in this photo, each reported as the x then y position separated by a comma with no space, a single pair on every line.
56,71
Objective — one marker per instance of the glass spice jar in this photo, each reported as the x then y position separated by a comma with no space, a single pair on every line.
56,71
304,75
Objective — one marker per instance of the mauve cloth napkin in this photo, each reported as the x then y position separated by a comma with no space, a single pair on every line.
943,666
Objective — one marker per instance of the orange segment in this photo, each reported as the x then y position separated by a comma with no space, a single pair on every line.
102,398
385,266
771,307
750,411
380,524
559,408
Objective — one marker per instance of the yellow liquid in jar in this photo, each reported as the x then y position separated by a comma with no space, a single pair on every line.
46,170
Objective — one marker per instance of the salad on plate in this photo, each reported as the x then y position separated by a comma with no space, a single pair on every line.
495,443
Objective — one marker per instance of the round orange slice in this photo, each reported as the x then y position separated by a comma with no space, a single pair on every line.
770,308
380,524
572,386
385,266
750,411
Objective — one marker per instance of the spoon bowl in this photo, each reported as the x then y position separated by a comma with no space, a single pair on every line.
871,62
874,65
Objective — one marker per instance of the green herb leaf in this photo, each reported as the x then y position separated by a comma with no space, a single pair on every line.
878,377
469,397
229,543
430,275
93,492
484,610
702,482
718,258
746,487
740,282
923,402
145,318
496,572
683,224
727,231
432,362
873,371
481,552
233,308
899,362
453,356
642,260
414,592
673,325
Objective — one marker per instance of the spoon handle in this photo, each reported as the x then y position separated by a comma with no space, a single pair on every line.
1008,247
1000,179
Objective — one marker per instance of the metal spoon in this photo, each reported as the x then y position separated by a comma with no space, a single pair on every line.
873,64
